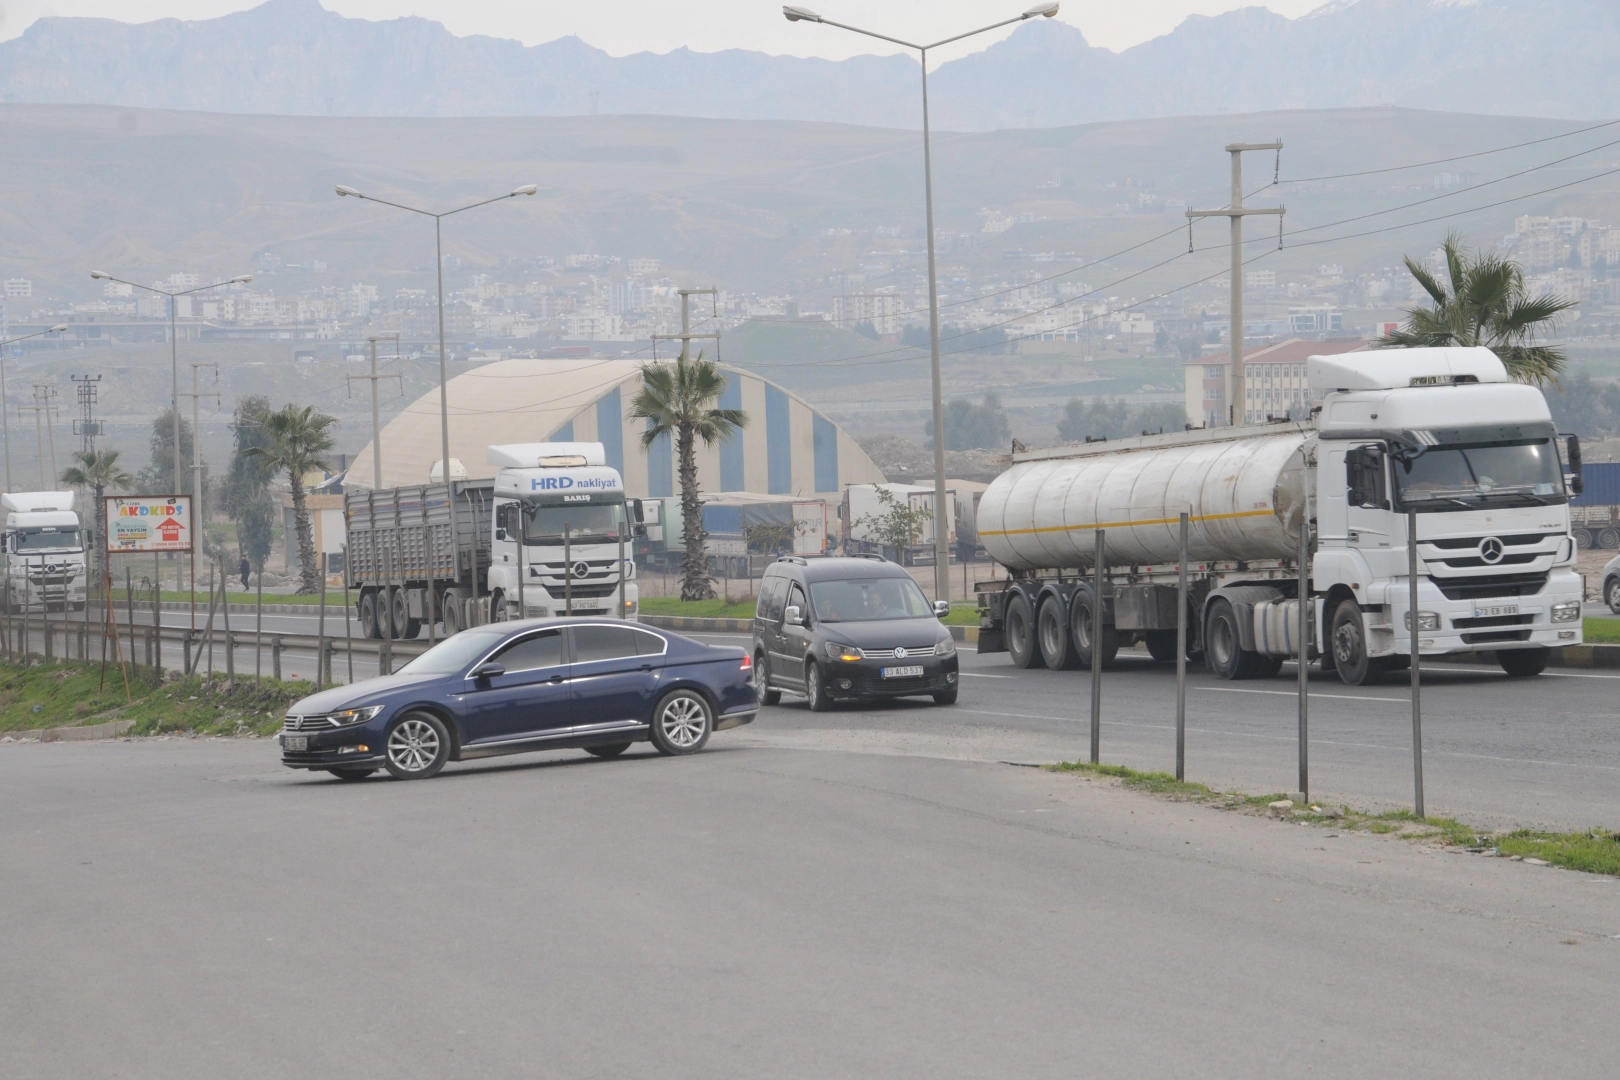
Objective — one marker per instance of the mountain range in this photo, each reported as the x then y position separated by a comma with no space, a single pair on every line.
1552,58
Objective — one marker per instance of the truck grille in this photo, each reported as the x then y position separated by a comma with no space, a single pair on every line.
1469,562
1493,620
1471,543
1496,635
1478,588
584,590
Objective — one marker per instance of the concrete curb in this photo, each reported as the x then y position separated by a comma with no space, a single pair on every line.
72,734
744,626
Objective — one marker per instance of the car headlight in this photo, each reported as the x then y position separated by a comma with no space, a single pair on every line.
843,652
1427,620
1568,611
946,647
345,717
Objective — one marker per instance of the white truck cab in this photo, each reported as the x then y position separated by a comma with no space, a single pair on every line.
562,533
44,552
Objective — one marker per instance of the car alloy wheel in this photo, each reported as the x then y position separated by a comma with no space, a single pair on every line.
681,723
416,747
762,682
1612,595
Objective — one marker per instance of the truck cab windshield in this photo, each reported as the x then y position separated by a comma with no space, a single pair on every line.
47,538
1458,476
588,524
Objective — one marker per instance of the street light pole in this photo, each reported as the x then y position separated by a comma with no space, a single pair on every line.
942,587
444,369
5,409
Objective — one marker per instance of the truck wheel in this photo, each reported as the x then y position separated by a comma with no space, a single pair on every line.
1583,539
452,613
1611,594
370,626
1020,624
497,606
1052,631
1609,538
1161,645
1519,663
1349,642
1224,654
400,608
1080,630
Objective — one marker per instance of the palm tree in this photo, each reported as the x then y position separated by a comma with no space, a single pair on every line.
1484,303
678,399
298,441
97,470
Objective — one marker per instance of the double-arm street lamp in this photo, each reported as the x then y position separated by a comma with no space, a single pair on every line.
941,526
5,409
444,371
174,360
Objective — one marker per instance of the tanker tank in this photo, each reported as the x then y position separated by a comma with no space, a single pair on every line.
1243,490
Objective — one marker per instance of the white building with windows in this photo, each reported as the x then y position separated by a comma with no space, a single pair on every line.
1274,380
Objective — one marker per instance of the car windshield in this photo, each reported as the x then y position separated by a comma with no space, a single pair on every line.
869,600
586,524
48,538
454,653
1522,471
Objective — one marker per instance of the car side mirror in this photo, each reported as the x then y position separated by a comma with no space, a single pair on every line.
942,608
793,616
484,672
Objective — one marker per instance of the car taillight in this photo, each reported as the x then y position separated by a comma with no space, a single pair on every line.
748,662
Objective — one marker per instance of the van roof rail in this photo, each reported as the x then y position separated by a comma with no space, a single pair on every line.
792,559
870,555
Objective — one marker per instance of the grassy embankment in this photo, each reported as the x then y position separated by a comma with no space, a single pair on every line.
67,695
1596,851
961,614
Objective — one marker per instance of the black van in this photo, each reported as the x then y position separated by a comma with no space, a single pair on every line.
842,628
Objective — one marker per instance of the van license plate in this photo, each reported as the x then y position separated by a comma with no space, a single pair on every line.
909,672
1491,611
295,743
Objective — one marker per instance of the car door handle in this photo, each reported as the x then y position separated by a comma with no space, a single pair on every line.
646,667
557,678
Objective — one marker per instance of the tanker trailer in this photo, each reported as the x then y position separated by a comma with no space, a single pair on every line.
1442,432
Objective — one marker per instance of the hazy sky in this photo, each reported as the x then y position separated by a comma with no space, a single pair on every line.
626,26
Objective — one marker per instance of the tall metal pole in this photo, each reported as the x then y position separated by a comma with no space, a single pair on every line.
1306,637
1096,651
444,397
39,437
1417,683
174,380
376,427
5,413
942,577
1181,656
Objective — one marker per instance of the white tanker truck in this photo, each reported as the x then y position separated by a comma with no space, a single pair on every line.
1443,432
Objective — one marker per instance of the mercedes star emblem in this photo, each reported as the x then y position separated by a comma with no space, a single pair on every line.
1490,550
582,568
899,654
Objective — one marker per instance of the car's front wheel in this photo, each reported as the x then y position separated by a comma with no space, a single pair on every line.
682,722
351,774
417,746
1611,594
762,682
945,697
815,689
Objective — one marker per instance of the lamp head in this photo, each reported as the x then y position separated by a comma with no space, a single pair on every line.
97,275
1039,10
526,189
240,279
796,14
57,329
345,189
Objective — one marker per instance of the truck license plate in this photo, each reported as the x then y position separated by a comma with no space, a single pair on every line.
295,743
911,671
1491,611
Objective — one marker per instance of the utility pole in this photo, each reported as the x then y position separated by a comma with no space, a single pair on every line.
39,431
1235,402
197,517
50,429
376,422
685,337
87,427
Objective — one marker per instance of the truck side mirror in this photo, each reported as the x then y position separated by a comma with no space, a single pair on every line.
1574,479
1364,477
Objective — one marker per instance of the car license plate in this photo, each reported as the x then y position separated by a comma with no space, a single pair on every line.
295,743
911,671
1491,611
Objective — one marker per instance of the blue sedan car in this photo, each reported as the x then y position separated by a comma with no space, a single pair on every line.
510,688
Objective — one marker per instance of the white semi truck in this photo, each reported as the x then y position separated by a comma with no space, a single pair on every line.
44,550
1442,432
554,518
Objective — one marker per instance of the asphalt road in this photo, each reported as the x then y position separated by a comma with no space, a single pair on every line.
862,908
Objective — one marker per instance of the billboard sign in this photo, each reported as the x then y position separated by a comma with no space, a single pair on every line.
148,523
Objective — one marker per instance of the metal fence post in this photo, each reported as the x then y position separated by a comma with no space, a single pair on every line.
258,629
1181,656
275,657
348,620
1417,682
1306,637
1097,651
225,613
320,640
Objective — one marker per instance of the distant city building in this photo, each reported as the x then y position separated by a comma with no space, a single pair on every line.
882,310
19,288
1274,380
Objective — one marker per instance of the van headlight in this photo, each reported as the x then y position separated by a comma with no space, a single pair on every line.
946,647
345,717
1568,611
836,651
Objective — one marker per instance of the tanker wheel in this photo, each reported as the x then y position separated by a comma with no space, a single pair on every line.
369,625
1224,654
1161,645
1020,624
1349,644
1052,631
1080,630
1609,538
1583,539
